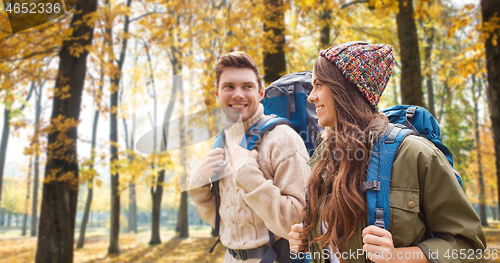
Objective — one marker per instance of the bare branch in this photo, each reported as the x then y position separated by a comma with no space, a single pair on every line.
352,3
143,16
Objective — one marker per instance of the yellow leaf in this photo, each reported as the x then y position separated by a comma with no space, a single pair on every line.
98,182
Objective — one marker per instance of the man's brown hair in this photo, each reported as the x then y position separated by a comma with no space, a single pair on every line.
236,59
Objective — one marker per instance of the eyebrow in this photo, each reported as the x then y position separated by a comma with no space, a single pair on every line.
232,83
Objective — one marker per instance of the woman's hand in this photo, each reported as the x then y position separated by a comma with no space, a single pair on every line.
380,248
378,244
238,153
210,164
298,241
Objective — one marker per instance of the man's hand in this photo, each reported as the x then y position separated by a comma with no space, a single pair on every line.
210,164
238,153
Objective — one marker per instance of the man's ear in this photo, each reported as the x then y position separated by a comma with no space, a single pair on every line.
261,93
217,92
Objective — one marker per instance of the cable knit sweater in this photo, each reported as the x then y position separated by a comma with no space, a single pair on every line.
257,195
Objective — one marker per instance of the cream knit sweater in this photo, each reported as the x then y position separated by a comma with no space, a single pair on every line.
257,195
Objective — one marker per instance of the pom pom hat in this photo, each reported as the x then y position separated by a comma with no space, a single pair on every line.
368,66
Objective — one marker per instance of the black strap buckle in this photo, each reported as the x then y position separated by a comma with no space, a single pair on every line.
240,254
243,254
372,185
379,218
410,112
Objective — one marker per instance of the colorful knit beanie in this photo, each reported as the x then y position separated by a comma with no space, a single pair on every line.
368,66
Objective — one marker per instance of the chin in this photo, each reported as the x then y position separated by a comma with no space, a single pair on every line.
321,124
325,124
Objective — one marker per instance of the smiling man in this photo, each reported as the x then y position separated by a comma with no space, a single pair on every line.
263,189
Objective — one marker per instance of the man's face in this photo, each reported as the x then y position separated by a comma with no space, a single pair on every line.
239,93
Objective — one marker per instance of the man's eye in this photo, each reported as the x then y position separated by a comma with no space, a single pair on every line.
248,86
228,87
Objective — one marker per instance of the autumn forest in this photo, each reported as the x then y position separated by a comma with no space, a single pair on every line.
85,174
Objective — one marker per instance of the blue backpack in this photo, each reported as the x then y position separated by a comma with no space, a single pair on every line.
404,120
287,98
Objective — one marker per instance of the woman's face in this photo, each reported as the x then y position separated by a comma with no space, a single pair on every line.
322,97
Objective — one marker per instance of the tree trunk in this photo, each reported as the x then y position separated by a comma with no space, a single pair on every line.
36,140
428,72
115,195
157,191
2,217
490,8
494,206
411,78
132,204
476,94
25,220
5,142
133,208
25,223
60,191
8,220
274,26
113,137
183,206
324,37
156,194
88,203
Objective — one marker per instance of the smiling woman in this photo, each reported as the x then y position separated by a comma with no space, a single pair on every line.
419,218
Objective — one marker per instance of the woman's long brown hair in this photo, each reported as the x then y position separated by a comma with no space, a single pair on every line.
345,158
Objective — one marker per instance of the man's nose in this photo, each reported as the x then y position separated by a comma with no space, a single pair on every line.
238,93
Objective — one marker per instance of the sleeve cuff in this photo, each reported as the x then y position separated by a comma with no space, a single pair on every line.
427,253
197,180
246,171
437,250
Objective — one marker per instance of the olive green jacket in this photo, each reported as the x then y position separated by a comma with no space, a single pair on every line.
424,196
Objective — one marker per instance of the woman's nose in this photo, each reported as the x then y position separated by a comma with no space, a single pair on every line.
312,97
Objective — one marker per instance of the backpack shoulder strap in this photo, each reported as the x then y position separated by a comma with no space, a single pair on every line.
219,142
251,140
378,178
254,135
